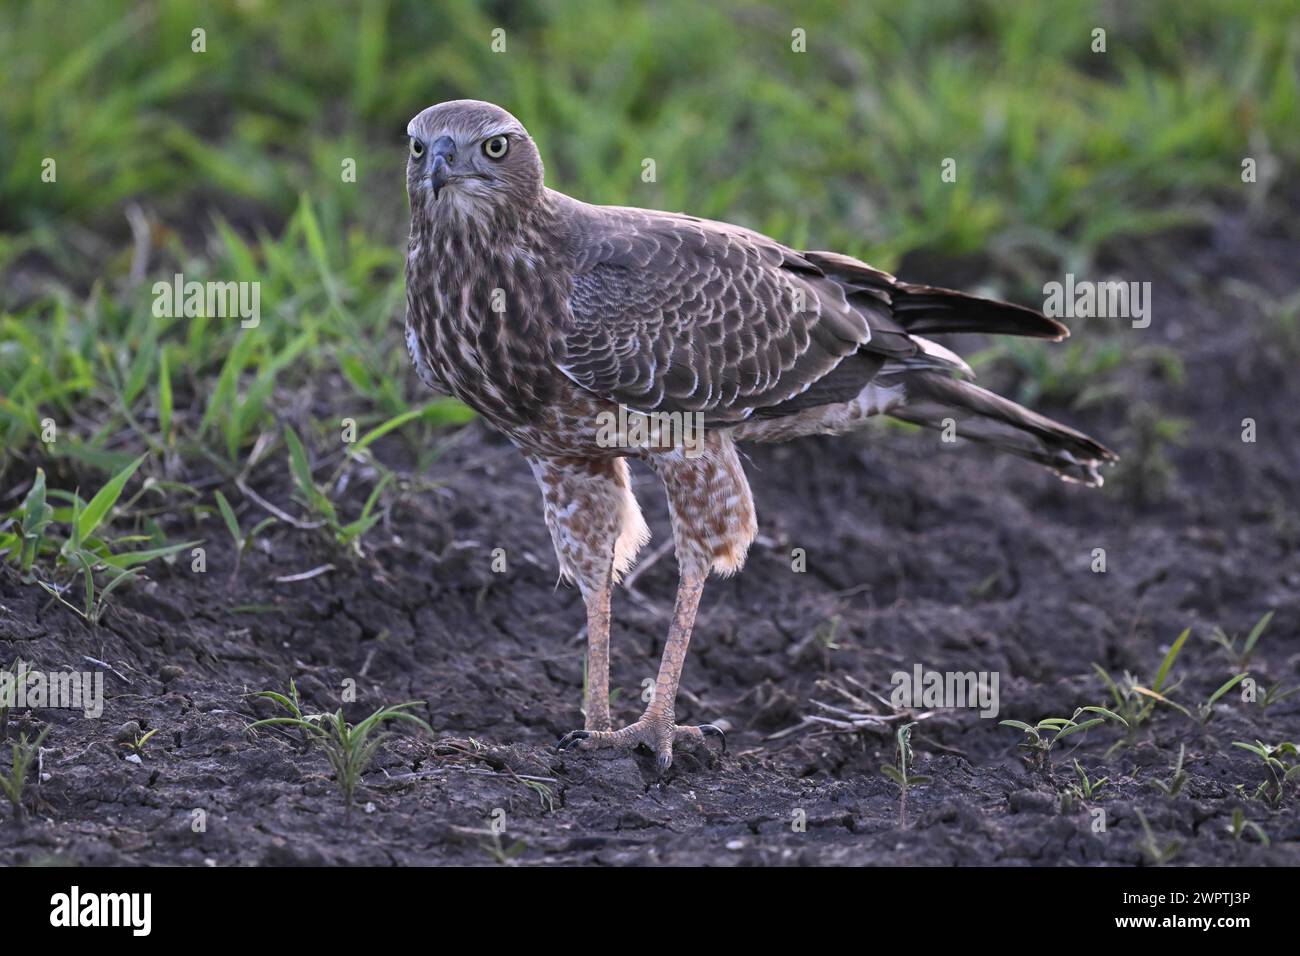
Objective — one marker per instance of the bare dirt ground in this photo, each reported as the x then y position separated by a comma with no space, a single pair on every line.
917,552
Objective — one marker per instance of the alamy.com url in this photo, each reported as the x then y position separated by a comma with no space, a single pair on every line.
1203,923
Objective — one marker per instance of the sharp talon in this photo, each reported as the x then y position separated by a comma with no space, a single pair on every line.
709,730
664,761
572,738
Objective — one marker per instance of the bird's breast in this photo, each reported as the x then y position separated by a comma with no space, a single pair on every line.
484,311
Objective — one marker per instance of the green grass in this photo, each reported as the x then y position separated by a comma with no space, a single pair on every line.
1282,761
14,779
1156,853
1085,788
842,142
84,550
1135,702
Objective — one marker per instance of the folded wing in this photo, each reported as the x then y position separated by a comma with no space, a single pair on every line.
673,313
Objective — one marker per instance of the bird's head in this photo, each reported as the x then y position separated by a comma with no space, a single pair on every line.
470,158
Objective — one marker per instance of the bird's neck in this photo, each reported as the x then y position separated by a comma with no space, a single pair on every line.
482,232
488,270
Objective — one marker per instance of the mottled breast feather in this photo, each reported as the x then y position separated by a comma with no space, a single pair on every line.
673,313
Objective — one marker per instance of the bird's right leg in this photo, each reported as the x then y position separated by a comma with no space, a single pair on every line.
597,529
595,696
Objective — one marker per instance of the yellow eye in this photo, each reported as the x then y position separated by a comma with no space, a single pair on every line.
495,147
417,148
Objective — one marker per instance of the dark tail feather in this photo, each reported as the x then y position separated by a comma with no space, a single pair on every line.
929,310
985,417
926,310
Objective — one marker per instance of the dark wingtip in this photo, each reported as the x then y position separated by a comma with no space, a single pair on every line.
932,310
935,310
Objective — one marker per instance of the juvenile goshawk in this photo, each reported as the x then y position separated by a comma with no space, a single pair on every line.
553,319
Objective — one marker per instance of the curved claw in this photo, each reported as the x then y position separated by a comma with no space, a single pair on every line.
709,730
572,739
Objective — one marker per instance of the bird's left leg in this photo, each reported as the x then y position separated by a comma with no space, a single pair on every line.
713,525
597,529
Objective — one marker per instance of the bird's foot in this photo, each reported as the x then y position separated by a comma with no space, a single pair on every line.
658,733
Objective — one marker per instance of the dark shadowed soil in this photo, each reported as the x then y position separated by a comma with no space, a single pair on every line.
918,552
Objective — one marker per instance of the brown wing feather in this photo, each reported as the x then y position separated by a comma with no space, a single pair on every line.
673,313
676,313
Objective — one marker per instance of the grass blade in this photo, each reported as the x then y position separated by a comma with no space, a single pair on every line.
103,502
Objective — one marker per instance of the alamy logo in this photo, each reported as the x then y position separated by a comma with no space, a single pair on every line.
661,431
23,688
1103,300
932,689
72,909
211,300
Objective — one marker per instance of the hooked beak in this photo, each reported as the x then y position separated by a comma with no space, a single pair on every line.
442,153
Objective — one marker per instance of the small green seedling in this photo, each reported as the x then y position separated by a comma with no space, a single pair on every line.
347,535
1240,656
502,854
1157,854
1087,788
901,773
96,599
348,747
32,518
1149,439
1240,826
1283,767
12,672
14,781
242,540
1275,695
1041,737
826,634
291,703
1174,785
1135,702
544,793
136,745
1206,710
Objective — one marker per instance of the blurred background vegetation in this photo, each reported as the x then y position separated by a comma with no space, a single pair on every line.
226,164
840,144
